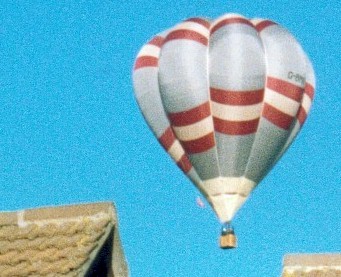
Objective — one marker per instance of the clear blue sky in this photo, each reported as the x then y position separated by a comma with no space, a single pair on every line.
71,132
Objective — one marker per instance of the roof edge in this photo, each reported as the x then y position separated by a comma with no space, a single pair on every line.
33,215
312,260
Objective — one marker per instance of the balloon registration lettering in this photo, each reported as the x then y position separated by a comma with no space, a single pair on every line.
296,77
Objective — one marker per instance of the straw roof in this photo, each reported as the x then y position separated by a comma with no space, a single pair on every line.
78,240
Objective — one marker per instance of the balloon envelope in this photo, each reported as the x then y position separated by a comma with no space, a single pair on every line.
225,98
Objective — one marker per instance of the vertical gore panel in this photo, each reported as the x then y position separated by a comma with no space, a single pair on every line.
282,96
236,74
305,106
184,91
146,86
149,99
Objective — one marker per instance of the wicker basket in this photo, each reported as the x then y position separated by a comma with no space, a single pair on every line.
228,241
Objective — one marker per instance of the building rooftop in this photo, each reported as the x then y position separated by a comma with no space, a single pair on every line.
312,265
78,240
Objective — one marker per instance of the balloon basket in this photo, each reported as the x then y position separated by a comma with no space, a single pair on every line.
228,239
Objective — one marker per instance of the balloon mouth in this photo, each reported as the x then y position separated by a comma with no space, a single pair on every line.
228,239
227,194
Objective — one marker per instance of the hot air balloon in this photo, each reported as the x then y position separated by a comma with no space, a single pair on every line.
225,98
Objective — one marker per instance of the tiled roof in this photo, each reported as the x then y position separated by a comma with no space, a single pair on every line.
312,265
61,241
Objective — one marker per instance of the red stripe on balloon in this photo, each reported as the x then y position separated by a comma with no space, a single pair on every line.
167,138
200,21
191,116
187,34
277,117
199,145
309,90
285,88
157,41
238,98
146,61
264,24
228,21
301,116
235,127
184,163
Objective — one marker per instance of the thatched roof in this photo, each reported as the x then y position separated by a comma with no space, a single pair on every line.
78,240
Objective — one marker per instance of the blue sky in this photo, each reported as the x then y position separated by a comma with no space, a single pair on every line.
71,132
